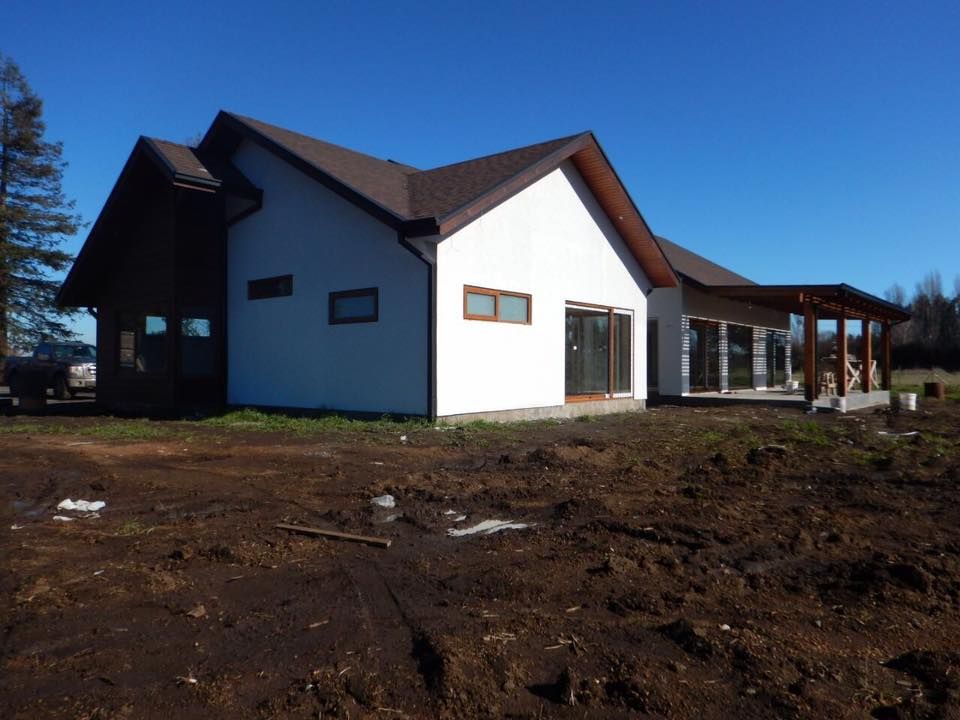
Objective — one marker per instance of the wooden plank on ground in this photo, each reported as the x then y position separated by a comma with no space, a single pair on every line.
336,535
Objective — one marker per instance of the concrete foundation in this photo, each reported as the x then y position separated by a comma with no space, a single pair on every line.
568,410
858,400
783,398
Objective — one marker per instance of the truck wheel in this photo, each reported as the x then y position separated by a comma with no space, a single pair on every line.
61,391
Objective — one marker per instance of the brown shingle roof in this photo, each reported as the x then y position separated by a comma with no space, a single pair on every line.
181,160
438,192
440,201
698,268
381,181
405,191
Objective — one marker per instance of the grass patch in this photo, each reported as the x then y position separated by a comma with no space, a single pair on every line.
133,528
250,419
713,436
913,380
806,431
111,429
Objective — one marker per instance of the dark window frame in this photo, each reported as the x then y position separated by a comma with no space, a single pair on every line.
270,287
496,294
124,325
202,314
373,292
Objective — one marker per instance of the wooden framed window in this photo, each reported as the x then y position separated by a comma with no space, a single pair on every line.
355,306
599,352
497,305
271,287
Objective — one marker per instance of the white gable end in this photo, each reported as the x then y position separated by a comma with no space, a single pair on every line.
554,242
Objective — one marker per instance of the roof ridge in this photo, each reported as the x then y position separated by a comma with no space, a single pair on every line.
169,142
567,138
394,164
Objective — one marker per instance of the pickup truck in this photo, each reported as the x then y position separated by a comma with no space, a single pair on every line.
68,367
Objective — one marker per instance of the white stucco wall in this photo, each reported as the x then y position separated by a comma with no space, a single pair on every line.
553,241
282,351
666,304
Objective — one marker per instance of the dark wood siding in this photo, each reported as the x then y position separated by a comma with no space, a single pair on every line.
168,259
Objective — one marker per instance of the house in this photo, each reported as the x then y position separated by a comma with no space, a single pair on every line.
268,268
717,331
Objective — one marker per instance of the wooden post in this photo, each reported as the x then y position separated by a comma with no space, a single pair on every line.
809,351
842,355
887,355
866,340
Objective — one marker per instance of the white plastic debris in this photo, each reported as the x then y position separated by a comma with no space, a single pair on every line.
487,527
450,512
725,627
403,438
896,434
82,505
63,518
460,518
384,501
16,527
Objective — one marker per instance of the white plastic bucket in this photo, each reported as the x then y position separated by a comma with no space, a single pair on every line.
908,401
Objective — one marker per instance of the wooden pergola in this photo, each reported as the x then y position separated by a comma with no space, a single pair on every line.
829,302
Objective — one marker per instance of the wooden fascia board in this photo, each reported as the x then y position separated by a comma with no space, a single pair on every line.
671,279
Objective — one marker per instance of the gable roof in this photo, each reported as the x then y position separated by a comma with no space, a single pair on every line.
178,164
438,192
697,268
440,201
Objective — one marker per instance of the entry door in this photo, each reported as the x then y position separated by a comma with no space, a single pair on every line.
776,359
704,356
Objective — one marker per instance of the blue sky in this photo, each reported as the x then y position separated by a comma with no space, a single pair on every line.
792,142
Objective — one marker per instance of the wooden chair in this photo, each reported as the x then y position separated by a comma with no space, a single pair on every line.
828,383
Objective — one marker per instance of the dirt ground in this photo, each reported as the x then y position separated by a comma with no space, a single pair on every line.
682,563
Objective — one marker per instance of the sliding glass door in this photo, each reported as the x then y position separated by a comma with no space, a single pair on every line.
776,359
740,357
599,348
704,356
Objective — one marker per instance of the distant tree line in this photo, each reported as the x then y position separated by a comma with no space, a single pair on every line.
931,338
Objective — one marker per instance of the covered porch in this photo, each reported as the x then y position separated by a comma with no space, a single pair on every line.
839,381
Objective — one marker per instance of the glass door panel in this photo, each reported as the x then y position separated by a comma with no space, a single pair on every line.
704,356
587,352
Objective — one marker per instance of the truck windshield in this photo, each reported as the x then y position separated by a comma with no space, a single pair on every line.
87,352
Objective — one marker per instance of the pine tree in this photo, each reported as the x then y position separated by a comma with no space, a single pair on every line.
35,217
